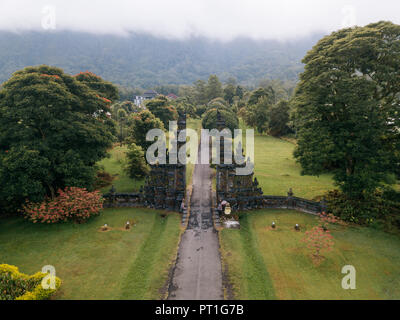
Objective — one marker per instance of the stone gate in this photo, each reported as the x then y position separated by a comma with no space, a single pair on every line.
165,186
241,191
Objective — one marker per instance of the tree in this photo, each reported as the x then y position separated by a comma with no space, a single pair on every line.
278,119
160,108
121,118
136,166
260,93
239,92
183,106
104,88
200,89
210,119
257,115
229,93
140,124
347,107
214,88
53,131
218,103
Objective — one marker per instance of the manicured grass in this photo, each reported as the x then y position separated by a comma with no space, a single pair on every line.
277,171
286,261
114,166
92,264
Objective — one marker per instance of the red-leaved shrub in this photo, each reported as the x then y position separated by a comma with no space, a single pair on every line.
72,204
318,240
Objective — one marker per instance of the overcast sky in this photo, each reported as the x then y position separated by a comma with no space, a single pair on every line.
217,19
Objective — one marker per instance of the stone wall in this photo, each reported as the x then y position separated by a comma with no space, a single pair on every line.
294,203
120,200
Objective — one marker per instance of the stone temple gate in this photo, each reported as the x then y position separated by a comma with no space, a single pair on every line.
165,186
241,191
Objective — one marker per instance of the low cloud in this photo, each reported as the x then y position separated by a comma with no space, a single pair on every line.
215,19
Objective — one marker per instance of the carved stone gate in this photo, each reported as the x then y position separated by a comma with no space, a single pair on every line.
165,186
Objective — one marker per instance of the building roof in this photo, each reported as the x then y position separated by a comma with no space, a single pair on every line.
172,96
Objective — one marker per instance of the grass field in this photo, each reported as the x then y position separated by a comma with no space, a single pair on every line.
277,171
114,166
266,264
92,264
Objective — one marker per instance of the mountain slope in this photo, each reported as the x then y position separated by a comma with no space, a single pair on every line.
141,60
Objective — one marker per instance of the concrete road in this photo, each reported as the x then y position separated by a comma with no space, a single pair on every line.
198,273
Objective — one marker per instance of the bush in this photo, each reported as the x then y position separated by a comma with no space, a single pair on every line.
318,240
103,179
382,206
75,204
18,286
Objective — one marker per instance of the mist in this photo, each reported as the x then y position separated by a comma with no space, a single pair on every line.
180,19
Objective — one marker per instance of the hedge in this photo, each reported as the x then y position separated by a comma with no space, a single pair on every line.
15,285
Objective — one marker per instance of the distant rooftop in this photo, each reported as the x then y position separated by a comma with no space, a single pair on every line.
172,96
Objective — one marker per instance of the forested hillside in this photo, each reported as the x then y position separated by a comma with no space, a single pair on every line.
146,61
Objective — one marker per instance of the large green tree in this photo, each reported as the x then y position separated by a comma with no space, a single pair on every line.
162,109
259,93
210,119
255,114
278,119
53,129
136,165
104,88
140,124
214,88
347,107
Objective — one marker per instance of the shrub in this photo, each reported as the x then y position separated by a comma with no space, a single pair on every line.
318,240
76,204
18,286
329,218
381,206
103,179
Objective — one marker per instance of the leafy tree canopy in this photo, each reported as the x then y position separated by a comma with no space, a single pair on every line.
140,124
136,166
347,107
210,119
104,88
161,108
278,119
53,131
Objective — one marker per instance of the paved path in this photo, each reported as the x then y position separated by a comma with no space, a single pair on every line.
197,274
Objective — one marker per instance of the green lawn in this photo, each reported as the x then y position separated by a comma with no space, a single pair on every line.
266,264
277,171
114,166
116,264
